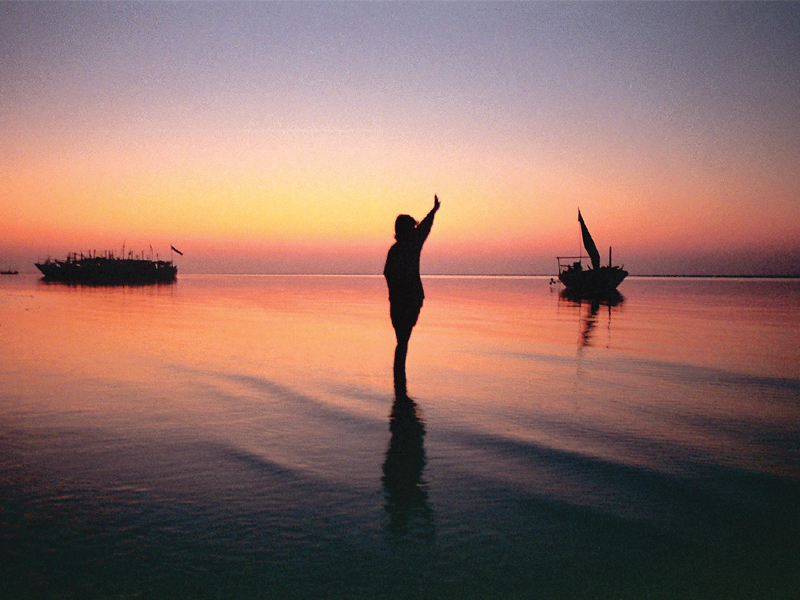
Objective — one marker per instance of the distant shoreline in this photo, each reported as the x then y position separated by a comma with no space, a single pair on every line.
722,276
506,275
553,275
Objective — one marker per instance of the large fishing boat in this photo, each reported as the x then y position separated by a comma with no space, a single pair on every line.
108,269
595,280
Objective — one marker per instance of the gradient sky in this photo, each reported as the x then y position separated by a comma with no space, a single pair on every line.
286,137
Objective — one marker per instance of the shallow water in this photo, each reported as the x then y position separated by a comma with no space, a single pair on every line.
239,437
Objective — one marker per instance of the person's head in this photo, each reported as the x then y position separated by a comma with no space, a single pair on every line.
404,226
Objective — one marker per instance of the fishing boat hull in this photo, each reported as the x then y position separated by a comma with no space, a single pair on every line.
108,271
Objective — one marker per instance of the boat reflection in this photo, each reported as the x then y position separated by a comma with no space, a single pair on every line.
589,320
405,489
613,298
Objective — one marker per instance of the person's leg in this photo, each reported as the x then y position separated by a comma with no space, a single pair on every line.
400,353
404,317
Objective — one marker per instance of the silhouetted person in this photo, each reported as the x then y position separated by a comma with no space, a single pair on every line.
405,286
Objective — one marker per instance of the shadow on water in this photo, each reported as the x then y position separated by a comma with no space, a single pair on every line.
405,490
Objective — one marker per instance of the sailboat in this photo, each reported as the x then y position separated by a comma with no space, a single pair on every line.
593,281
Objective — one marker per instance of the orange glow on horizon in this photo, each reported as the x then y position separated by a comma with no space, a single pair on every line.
251,193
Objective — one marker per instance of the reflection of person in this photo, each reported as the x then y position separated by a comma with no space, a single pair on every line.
405,489
402,277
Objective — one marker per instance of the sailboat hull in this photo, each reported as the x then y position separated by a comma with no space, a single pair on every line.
592,282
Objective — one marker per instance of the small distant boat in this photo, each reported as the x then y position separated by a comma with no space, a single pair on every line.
107,270
593,281
9,272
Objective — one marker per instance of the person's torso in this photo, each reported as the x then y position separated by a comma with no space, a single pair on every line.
402,272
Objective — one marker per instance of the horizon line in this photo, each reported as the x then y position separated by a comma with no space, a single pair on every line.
476,275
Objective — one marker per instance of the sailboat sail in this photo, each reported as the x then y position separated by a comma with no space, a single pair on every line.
588,243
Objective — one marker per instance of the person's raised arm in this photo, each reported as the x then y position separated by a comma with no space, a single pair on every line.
424,227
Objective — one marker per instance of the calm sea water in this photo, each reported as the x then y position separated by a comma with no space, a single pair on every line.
239,437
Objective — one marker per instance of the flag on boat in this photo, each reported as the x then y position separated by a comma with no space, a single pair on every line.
176,250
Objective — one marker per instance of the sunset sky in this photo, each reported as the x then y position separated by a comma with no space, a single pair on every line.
286,137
